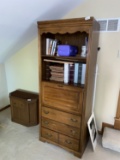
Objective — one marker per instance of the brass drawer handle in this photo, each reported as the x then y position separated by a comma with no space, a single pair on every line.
68,142
46,122
48,135
60,85
14,104
46,112
73,132
74,120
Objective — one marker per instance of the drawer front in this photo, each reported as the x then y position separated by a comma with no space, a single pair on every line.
48,134
69,142
62,117
66,98
61,128
19,109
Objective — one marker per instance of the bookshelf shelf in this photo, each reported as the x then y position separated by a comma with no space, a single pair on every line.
73,59
66,82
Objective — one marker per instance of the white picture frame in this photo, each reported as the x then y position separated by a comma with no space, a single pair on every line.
92,130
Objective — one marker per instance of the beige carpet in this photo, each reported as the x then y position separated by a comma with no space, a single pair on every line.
18,142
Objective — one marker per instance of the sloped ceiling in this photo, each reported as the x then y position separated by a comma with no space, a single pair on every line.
18,21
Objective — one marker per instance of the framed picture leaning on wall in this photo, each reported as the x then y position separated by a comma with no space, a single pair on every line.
92,130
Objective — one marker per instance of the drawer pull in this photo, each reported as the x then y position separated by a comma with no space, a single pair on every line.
46,112
68,142
48,135
73,132
46,122
14,104
74,120
60,85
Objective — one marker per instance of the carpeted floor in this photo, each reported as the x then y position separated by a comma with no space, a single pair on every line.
18,142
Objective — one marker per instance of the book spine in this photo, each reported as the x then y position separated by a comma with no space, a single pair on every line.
50,47
76,68
54,47
47,45
79,73
83,73
71,73
66,72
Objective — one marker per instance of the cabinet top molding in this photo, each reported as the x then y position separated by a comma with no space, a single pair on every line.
75,24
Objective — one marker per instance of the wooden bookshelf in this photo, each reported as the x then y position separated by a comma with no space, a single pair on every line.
66,107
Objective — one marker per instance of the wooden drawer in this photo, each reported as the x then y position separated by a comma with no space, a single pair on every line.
66,98
46,133
61,128
62,117
69,142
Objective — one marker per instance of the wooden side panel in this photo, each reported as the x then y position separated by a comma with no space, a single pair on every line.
117,118
33,113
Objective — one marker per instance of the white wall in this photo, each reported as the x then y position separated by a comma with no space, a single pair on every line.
108,80
4,97
22,68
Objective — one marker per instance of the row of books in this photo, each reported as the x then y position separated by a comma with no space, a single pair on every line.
51,46
67,73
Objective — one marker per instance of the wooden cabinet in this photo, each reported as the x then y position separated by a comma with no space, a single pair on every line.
24,107
66,107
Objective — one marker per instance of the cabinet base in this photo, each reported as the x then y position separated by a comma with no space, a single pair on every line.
25,124
77,154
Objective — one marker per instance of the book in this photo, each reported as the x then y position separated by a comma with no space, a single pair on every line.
60,79
48,43
54,46
76,68
57,68
79,73
83,73
50,47
71,73
66,72
59,74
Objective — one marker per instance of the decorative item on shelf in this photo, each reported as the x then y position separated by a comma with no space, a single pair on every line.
51,46
67,50
84,51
